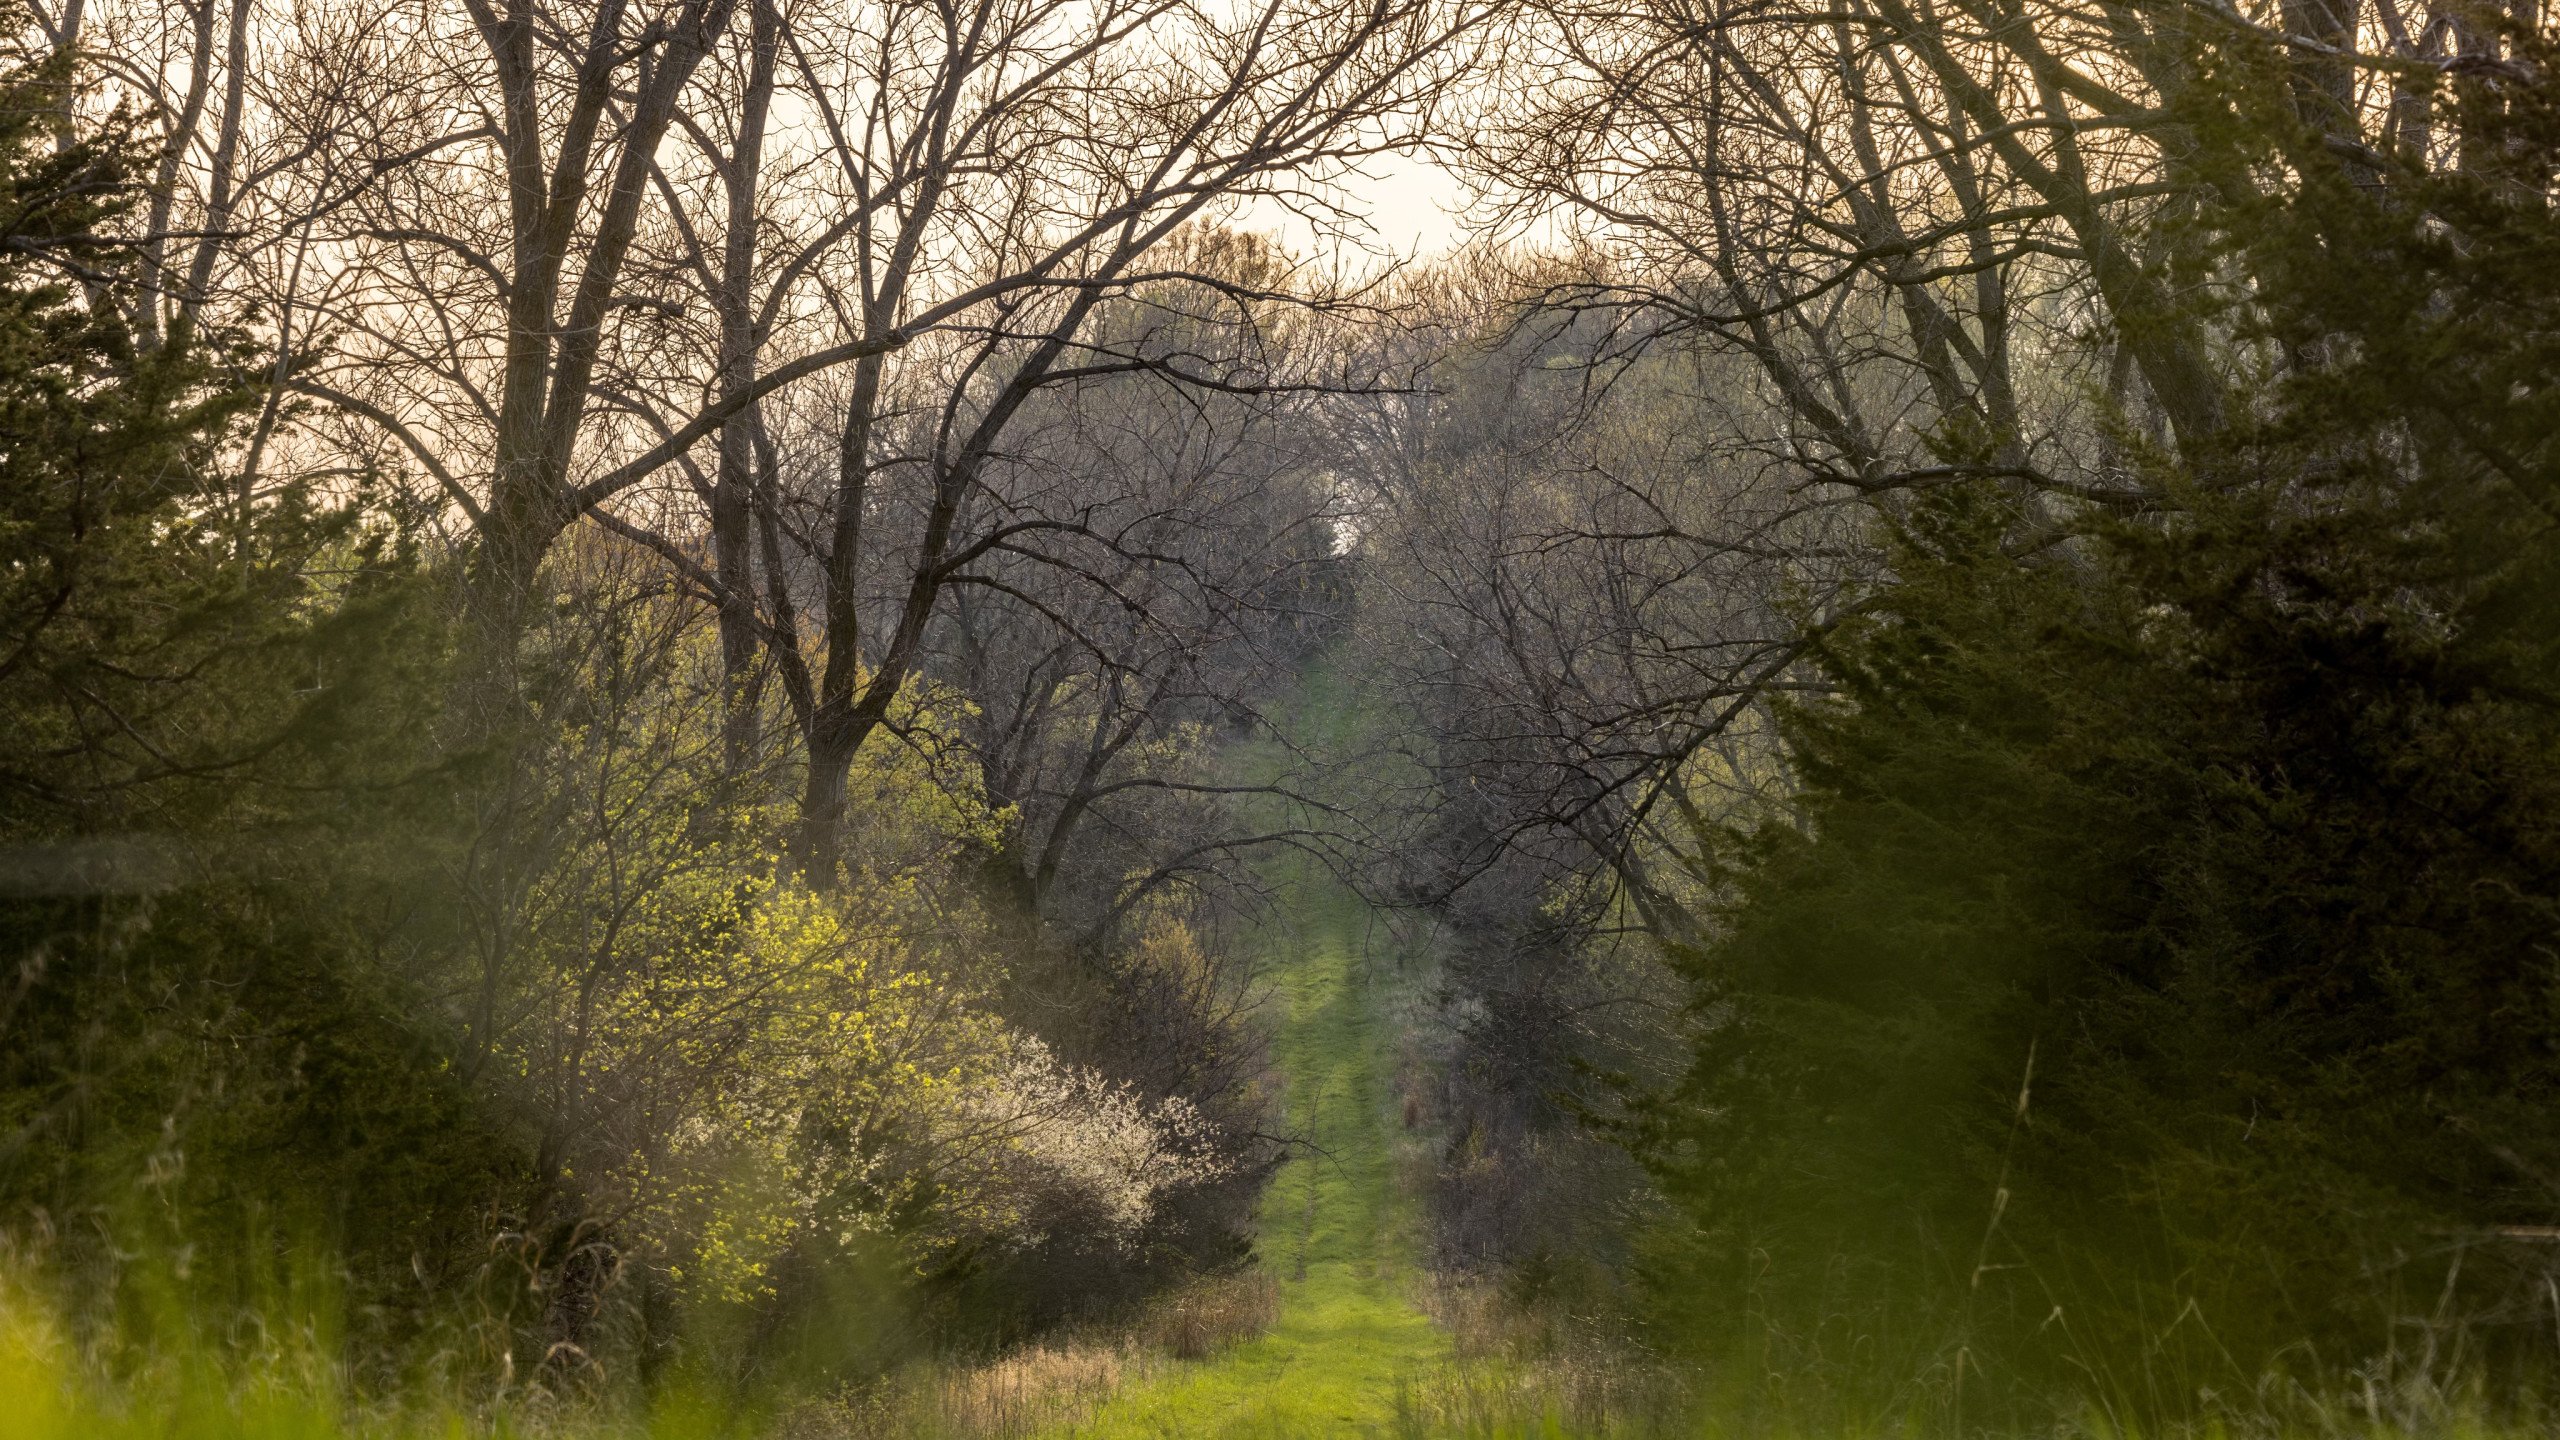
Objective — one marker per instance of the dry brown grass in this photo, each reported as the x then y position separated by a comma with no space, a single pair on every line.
1209,1315
1033,1389
1581,1396
1524,1374
1029,1391
1058,1383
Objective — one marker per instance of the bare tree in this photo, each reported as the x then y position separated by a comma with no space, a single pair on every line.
1583,593
1833,259
1066,144
508,220
1104,669
1812,265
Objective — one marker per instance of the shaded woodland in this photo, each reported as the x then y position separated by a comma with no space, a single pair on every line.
670,670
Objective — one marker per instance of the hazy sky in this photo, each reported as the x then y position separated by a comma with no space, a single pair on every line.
1409,200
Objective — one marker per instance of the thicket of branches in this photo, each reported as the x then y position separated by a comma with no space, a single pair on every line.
1982,642
618,621
623,623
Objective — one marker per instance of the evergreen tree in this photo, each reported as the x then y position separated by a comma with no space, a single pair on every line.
2154,992
212,709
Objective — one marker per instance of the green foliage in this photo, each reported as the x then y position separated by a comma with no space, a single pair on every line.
213,700
2151,994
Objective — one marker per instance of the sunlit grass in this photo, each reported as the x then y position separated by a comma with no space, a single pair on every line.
1338,1233
1340,1237
1336,1330
275,1368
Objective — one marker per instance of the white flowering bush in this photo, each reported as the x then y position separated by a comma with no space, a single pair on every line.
1047,1141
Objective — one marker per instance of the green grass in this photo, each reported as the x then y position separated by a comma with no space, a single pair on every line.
1338,1235
1337,1231
1349,1354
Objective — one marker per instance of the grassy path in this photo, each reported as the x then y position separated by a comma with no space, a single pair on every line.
1336,1233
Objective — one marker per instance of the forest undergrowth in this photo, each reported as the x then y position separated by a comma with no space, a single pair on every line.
748,719
1339,1326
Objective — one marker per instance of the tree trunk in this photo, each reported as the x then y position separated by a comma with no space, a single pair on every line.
733,486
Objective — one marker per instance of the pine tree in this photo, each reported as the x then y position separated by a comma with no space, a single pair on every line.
2155,992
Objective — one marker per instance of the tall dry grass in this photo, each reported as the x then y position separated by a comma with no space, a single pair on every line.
1208,1316
1029,1391
1519,1371
1056,1384
1584,1396
278,1370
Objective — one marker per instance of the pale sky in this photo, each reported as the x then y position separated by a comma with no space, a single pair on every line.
1411,202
